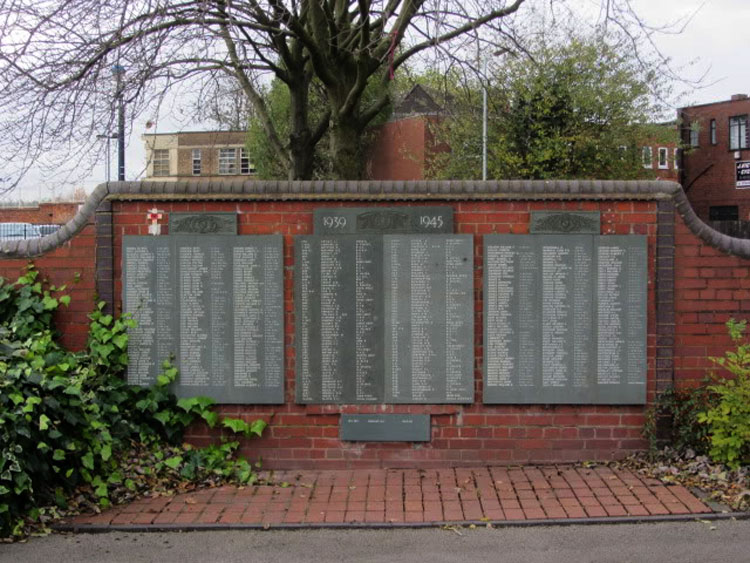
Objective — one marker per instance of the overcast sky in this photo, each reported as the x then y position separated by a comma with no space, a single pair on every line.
716,41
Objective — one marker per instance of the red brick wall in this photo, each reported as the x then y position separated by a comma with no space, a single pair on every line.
45,213
307,435
73,265
709,170
710,287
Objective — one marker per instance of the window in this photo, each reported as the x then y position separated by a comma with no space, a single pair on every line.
196,162
677,158
738,132
227,161
723,213
646,157
713,131
245,166
694,135
160,159
663,158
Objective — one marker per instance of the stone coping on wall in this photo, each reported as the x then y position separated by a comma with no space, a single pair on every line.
379,191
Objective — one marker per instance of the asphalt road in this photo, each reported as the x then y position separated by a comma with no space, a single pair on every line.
682,542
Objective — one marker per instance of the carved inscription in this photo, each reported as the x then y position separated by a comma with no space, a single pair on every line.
565,319
215,305
384,319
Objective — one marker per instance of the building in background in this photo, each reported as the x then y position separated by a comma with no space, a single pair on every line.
53,212
661,158
197,155
716,163
403,146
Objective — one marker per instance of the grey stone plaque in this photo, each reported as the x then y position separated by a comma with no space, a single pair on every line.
221,223
384,319
565,222
382,220
385,428
565,319
215,304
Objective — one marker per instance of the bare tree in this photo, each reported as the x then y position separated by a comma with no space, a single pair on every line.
56,58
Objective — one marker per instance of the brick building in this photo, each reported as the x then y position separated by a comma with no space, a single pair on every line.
55,213
403,146
717,153
204,155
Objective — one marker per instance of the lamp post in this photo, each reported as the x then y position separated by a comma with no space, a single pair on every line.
119,71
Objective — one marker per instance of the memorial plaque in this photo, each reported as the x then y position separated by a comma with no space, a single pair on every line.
383,220
221,223
384,319
565,222
565,319
385,428
215,304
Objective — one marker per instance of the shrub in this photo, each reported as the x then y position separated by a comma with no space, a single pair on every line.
69,419
673,420
728,420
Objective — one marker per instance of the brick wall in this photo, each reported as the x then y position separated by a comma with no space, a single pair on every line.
710,287
307,435
685,325
44,213
73,265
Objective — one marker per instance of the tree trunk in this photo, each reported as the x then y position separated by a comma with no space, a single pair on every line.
302,155
346,151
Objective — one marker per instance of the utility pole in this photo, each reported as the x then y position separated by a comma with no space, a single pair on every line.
119,71
484,122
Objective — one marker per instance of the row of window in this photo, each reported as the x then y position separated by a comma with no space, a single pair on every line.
232,161
738,138
662,162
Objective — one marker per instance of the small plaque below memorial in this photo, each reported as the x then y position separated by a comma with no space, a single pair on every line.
385,428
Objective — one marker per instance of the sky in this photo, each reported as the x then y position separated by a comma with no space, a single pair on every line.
714,45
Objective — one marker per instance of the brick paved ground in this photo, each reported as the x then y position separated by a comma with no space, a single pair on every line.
480,494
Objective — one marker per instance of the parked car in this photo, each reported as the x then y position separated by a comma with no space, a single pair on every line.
48,229
15,231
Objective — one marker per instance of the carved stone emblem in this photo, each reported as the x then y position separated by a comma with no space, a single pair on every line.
383,221
203,225
566,223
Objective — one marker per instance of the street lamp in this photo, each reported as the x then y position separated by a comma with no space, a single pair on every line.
119,71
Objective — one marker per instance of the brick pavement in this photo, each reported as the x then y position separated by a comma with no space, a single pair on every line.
411,496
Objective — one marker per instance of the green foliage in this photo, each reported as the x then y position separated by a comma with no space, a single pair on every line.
67,418
728,421
673,420
582,109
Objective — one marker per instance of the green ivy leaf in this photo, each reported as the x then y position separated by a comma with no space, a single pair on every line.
173,462
258,426
88,460
44,422
236,425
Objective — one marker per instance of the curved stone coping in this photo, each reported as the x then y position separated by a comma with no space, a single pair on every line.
379,191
